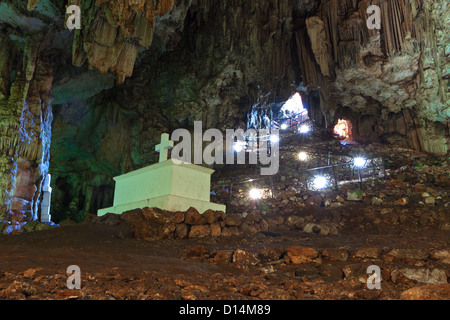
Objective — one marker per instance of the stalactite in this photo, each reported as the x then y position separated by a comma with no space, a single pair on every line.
114,32
363,59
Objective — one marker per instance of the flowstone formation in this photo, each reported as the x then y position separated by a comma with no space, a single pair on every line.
25,117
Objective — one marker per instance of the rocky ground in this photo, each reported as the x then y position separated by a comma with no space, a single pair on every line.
299,245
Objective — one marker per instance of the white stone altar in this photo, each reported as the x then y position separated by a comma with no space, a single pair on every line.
165,185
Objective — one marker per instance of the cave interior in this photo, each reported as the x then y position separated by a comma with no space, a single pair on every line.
88,102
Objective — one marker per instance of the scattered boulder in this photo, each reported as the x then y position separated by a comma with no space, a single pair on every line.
442,256
193,217
422,275
335,254
233,220
428,292
216,230
299,254
181,231
200,231
355,195
270,254
244,258
368,253
323,229
408,253
223,256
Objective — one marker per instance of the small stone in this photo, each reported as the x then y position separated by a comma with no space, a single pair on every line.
230,231
270,254
179,217
233,220
377,201
335,254
181,231
294,221
402,202
209,216
216,230
422,275
223,256
355,195
409,253
30,273
244,258
368,253
430,200
356,271
442,256
428,292
200,231
197,251
299,254
192,217
419,187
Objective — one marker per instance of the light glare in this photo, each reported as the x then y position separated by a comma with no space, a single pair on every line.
359,162
320,182
304,129
303,156
238,146
255,194
274,138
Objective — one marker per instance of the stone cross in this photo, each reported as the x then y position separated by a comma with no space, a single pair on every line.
163,147
45,205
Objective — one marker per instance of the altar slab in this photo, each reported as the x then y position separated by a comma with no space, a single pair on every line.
165,185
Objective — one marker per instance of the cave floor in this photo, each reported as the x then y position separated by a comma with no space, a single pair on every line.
114,265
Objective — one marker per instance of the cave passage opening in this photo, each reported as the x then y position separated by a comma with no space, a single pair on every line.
343,130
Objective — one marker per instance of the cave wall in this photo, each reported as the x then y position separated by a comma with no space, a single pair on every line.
391,83
25,126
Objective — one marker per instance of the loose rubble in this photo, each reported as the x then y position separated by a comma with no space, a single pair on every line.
301,244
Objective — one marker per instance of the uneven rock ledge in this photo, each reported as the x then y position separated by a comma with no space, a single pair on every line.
154,224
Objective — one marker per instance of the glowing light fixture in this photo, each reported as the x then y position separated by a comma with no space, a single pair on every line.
320,182
359,162
284,126
303,156
304,129
255,194
274,138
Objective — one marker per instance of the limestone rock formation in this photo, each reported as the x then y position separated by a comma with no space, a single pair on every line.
137,68
26,117
113,32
